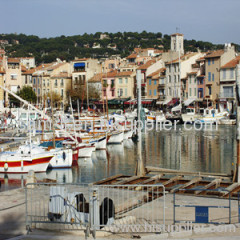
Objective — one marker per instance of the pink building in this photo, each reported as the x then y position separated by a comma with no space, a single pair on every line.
109,85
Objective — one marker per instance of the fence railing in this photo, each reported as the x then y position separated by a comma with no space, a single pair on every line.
121,208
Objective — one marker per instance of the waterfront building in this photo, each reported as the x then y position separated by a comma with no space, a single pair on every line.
13,79
175,76
213,63
155,85
83,70
124,84
227,96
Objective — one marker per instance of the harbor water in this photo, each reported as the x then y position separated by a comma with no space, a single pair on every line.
210,150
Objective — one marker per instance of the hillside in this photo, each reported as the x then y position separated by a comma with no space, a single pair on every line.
87,45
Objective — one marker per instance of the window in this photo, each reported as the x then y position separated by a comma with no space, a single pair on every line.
150,81
44,82
169,79
155,92
209,61
113,93
126,93
231,73
120,92
61,92
155,82
209,76
56,83
112,83
38,91
175,78
195,80
34,89
213,77
195,92
38,81
224,73
13,76
213,61
26,79
210,90
62,82
126,80
34,80
190,92
120,80
30,79
150,92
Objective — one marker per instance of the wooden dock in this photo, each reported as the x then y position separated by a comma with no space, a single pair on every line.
202,184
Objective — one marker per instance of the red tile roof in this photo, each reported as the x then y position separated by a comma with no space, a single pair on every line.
13,60
215,54
146,65
126,73
96,78
232,63
133,55
157,73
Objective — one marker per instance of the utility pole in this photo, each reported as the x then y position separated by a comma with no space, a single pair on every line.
237,170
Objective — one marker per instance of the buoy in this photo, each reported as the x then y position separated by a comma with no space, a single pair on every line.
5,166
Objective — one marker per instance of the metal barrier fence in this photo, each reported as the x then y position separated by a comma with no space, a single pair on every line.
119,209
57,206
131,208
202,212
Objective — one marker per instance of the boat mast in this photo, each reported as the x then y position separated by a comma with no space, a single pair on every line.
54,143
37,110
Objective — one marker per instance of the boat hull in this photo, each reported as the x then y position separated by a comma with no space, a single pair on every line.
116,138
39,164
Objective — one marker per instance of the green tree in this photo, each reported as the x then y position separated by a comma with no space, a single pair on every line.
25,93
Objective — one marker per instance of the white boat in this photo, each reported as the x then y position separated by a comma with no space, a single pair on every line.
116,137
100,143
23,160
227,121
62,158
85,150
190,115
212,116
160,117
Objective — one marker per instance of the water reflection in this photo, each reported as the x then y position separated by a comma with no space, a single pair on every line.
207,151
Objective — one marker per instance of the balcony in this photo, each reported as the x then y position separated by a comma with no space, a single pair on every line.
226,95
209,82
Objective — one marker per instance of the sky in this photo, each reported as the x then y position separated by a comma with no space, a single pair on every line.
217,21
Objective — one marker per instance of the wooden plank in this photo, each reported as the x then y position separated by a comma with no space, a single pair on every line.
214,182
232,188
107,180
166,171
171,180
127,180
193,181
152,180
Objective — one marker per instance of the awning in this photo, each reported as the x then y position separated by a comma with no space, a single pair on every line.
173,102
189,101
133,102
159,102
167,101
177,108
79,65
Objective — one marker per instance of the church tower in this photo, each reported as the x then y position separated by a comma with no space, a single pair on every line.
177,43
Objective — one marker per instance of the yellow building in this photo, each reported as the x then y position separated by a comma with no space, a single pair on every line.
124,84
